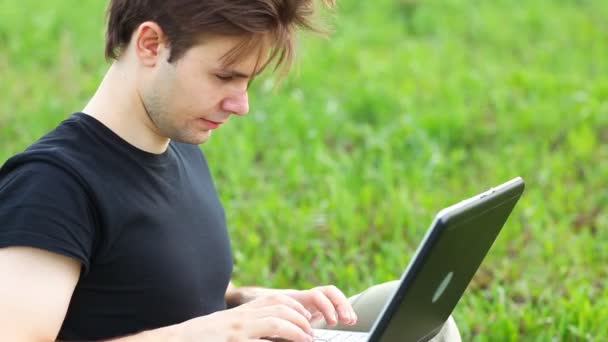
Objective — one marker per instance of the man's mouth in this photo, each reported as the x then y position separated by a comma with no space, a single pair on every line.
212,124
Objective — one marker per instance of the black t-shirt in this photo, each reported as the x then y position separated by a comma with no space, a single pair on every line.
149,229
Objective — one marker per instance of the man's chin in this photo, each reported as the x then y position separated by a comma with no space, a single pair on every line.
205,137
195,139
202,139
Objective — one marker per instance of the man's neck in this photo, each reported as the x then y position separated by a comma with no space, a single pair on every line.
118,105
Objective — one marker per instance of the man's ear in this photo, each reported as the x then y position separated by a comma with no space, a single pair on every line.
149,41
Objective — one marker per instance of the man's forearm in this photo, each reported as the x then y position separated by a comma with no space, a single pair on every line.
232,296
169,333
236,296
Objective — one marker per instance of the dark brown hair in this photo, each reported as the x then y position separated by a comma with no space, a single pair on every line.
186,22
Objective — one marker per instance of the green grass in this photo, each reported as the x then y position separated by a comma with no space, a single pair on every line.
408,107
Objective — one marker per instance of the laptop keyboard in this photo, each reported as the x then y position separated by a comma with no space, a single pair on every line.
322,335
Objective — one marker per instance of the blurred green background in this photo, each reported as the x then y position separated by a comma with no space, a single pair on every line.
409,106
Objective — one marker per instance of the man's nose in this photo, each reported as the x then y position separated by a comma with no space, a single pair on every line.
237,104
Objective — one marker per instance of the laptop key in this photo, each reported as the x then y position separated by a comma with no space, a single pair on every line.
339,336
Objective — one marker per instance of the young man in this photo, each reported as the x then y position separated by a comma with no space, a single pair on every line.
111,225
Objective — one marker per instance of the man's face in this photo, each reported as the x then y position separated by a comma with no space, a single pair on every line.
189,98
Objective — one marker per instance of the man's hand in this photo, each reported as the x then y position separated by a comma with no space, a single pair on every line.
276,316
326,302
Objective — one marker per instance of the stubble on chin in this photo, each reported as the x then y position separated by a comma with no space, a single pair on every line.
194,138
205,137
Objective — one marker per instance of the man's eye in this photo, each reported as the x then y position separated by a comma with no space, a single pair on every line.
224,78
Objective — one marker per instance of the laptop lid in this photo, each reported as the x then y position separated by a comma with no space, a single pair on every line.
444,264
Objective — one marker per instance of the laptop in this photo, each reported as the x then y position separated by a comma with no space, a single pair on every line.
440,271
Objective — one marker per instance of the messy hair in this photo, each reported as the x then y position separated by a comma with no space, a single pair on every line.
187,22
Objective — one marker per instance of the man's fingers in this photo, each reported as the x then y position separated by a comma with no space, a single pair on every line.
281,299
286,313
324,305
278,328
316,316
283,307
345,311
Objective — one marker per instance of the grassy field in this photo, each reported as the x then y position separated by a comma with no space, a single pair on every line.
410,106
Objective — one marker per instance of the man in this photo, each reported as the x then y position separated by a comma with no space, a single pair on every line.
111,225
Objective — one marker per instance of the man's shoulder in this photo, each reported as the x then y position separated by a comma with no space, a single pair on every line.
62,147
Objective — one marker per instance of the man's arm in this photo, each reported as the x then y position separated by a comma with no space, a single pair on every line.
37,286
35,292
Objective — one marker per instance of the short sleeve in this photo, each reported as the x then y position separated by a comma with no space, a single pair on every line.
44,206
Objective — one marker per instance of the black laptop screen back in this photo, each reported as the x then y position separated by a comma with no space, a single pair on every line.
443,268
